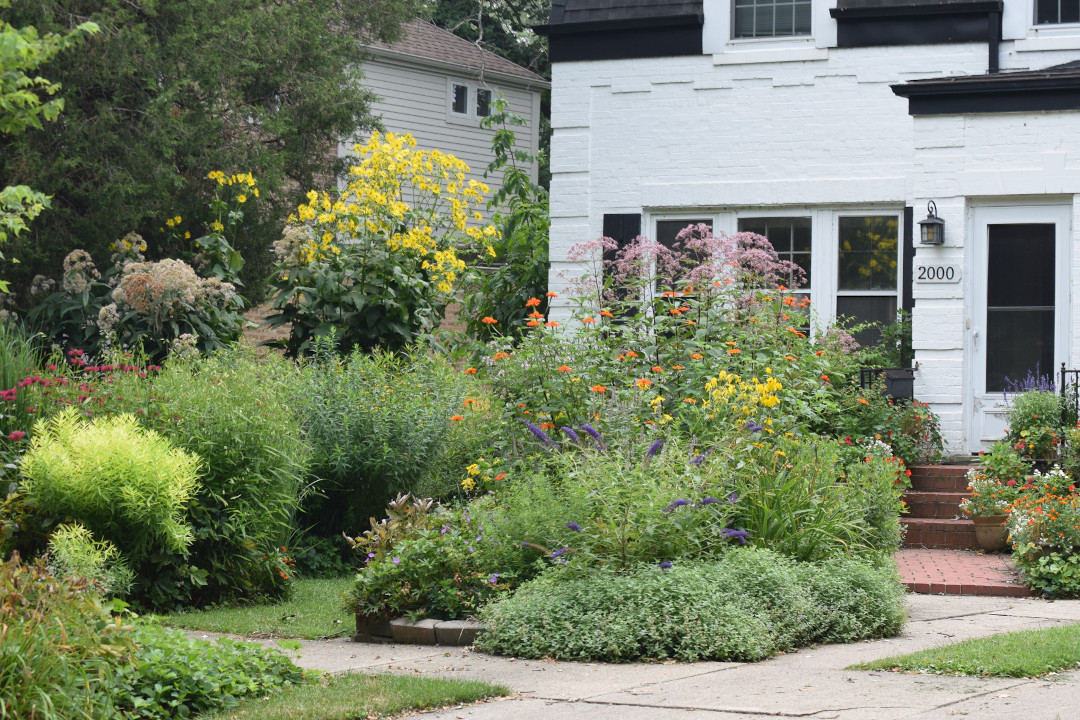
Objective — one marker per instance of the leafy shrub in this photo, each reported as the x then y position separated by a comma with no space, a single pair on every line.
425,559
172,675
381,424
1035,419
128,485
74,553
744,607
58,652
236,412
1044,529
405,214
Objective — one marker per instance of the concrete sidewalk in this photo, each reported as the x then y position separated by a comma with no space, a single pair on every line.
810,683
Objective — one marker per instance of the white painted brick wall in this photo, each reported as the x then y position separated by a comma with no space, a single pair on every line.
714,132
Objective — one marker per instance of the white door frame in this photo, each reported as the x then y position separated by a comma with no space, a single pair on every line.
986,411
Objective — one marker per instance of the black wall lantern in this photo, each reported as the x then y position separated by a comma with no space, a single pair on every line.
932,229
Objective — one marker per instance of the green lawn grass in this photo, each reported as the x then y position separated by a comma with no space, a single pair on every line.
315,610
351,697
1028,653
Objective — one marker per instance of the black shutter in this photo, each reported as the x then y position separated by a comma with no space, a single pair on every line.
622,228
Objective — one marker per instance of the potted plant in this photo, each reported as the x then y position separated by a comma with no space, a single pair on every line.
993,487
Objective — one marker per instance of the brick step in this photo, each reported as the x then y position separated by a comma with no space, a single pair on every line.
940,505
939,478
939,533
959,572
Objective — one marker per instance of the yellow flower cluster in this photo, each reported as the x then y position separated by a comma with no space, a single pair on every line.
419,202
238,179
732,391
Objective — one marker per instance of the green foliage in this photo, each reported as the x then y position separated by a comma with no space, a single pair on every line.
19,355
59,652
236,412
380,424
1053,574
23,105
172,675
520,268
74,553
425,560
744,607
166,88
128,485
378,261
156,307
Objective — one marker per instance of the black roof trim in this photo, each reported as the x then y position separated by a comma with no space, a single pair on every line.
866,10
681,20
1054,88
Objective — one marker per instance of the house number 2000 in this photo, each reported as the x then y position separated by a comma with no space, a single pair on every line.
937,273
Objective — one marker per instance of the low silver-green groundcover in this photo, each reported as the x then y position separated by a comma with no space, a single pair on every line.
748,605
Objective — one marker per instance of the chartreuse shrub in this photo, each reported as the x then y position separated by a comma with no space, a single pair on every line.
128,485
381,424
237,413
745,606
74,553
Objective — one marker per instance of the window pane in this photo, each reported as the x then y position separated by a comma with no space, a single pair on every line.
1018,342
483,103
1049,12
668,230
1020,265
460,101
789,236
771,18
868,252
874,308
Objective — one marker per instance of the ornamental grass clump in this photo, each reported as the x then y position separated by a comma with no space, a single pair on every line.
128,485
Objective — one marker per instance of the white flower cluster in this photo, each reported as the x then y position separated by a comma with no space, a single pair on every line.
79,272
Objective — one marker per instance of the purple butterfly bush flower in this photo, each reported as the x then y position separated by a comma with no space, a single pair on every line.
698,460
574,526
708,501
540,434
571,434
654,448
595,435
675,504
665,565
754,427
731,534
559,552
733,498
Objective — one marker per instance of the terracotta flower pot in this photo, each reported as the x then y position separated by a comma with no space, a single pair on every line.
990,532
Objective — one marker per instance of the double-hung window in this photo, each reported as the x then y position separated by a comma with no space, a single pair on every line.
1057,12
770,18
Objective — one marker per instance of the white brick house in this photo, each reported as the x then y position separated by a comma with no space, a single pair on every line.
812,121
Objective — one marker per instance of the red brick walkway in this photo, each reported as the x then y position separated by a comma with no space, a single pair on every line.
959,572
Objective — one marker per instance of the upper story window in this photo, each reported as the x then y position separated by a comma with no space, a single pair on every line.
773,18
483,102
459,99
1057,12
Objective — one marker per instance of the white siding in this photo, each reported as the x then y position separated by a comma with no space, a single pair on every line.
416,100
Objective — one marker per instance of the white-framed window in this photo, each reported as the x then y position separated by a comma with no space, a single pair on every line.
770,18
851,257
468,101
1057,12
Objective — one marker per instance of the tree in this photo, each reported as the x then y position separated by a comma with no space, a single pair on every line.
502,26
24,104
172,89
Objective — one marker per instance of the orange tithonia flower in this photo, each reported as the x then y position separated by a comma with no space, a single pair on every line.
599,388
657,369
631,353
470,371
501,356
564,368
606,313
551,323
532,302
677,367
689,400
696,356
535,314
489,320
643,383
733,351
455,418
863,401
551,294
532,323
589,320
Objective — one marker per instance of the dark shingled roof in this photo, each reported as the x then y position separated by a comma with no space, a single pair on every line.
564,12
424,40
956,4
1055,74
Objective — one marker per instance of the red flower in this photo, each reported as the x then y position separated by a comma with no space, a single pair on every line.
17,435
